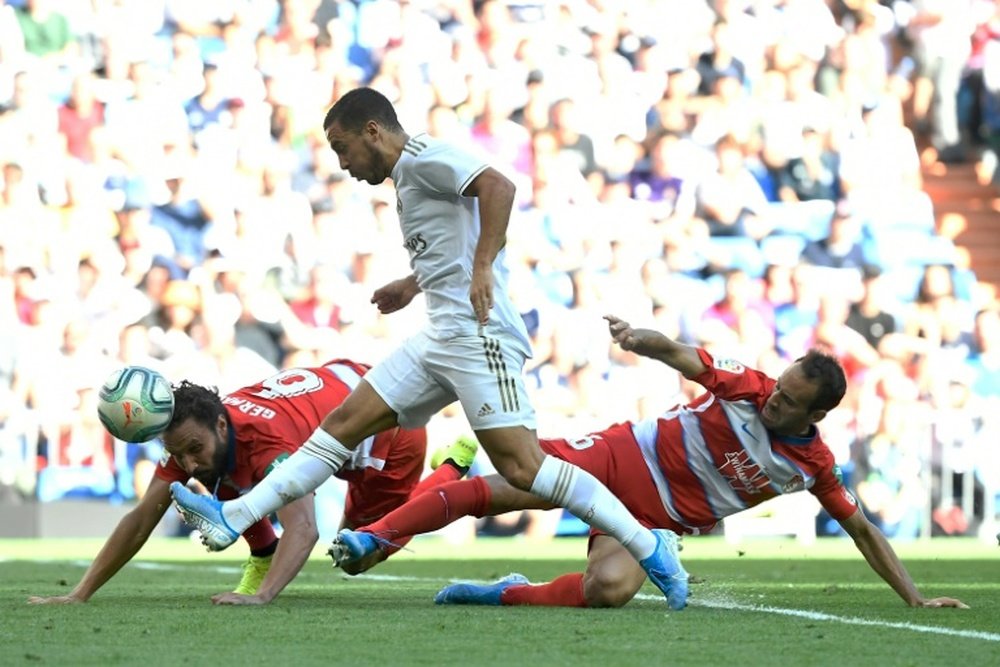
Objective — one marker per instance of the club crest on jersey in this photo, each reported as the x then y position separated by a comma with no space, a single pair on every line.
796,483
729,365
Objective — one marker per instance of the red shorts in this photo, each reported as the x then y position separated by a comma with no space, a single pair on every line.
371,492
613,457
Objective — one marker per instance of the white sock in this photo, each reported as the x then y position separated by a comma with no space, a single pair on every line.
299,474
590,501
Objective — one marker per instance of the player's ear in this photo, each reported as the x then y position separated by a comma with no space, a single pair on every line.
222,426
817,415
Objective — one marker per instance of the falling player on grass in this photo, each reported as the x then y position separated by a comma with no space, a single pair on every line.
747,439
230,443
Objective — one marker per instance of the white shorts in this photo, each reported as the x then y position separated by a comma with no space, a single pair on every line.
423,375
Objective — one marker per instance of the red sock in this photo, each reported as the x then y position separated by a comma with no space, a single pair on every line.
260,536
444,474
434,509
564,591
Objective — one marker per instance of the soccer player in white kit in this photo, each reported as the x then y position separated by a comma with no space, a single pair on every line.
453,210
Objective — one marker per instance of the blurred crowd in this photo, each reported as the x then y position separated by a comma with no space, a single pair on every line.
740,174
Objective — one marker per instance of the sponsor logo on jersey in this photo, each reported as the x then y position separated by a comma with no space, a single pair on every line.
729,365
416,244
746,429
743,474
275,463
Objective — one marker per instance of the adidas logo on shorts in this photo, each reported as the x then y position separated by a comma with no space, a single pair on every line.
485,411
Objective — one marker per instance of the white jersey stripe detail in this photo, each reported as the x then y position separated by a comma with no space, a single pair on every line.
645,436
345,374
744,420
756,441
722,499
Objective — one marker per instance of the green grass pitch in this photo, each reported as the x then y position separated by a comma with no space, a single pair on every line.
764,602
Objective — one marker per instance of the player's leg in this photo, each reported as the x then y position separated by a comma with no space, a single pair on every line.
432,510
515,452
612,578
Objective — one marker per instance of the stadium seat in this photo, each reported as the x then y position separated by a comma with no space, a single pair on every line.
808,219
736,252
782,249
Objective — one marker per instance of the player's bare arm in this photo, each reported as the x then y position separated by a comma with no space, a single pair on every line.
396,295
124,542
883,559
496,198
297,541
655,345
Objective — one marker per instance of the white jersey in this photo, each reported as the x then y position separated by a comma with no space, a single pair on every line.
440,231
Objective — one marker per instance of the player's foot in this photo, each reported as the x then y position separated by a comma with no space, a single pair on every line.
479,593
462,453
204,514
254,571
663,567
353,545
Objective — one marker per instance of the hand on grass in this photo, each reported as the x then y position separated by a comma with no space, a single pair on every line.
54,599
231,598
944,602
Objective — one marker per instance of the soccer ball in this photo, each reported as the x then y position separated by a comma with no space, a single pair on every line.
135,404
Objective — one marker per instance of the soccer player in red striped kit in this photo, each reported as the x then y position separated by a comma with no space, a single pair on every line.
747,439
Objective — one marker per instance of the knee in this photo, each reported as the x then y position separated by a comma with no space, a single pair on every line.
515,455
518,472
604,589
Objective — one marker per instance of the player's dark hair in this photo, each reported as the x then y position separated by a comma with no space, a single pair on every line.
828,375
357,107
192,401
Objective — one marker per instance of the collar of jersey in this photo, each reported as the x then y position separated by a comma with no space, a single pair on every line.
798,439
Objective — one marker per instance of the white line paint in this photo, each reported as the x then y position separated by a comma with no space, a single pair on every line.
717,602
847,620
730,605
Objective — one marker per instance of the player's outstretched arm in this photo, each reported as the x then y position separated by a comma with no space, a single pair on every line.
125,541
883,559
656,345
297,541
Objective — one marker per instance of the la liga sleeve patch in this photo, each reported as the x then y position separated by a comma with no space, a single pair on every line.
729,365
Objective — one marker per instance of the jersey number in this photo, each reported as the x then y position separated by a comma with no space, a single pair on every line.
583,443
292,382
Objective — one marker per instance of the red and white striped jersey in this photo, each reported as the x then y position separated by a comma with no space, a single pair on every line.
714,457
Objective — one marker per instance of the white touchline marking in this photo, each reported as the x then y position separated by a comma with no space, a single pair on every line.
717,603
766,609
847,620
